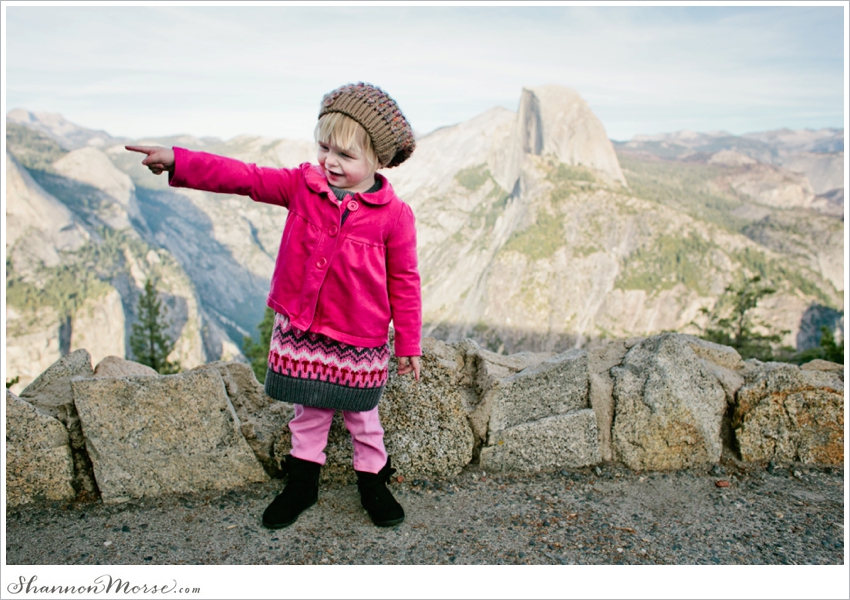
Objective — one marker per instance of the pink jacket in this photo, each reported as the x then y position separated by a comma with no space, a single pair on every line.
345,282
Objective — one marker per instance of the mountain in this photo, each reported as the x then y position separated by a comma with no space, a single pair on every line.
78,250
535,232
819,155
61,132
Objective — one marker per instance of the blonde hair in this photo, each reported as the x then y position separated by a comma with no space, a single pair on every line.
346,133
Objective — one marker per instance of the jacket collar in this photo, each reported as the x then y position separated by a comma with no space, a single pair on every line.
316,181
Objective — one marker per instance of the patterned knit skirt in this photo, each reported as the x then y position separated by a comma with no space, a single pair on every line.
314,370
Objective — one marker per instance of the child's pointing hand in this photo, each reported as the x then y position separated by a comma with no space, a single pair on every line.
406,364
159,159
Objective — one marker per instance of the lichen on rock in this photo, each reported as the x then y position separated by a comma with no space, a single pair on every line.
39,464
668,407
785,414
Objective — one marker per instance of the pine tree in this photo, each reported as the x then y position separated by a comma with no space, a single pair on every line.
731,321
258,353
831,351
149,342
827,350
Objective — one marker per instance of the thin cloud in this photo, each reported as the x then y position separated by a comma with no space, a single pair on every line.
167,65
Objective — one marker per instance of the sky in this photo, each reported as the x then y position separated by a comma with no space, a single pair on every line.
155,69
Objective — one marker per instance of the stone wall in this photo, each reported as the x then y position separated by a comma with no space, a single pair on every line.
120,431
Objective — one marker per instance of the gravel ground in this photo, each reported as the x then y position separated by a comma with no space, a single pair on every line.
605,515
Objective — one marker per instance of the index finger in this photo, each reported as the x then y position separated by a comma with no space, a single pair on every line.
143,149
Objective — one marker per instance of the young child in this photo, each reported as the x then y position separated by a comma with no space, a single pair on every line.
346,267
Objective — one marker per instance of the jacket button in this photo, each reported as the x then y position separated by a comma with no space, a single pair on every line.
322,262
352,205
333,230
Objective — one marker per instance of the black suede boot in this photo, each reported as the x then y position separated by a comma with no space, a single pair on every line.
377,499
301,492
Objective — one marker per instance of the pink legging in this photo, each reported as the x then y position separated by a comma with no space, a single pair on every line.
310,428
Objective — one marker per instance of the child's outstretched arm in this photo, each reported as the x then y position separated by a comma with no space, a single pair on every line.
159,159
212,173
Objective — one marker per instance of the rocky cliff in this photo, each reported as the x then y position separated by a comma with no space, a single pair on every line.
533,236
78,254
535,233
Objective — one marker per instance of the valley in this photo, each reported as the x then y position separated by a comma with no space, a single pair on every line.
535,233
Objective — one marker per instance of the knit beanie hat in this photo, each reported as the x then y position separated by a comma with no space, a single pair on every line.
380,116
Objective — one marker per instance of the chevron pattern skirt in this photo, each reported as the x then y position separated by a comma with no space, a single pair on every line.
314,370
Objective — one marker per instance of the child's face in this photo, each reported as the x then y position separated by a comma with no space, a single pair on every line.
346,168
